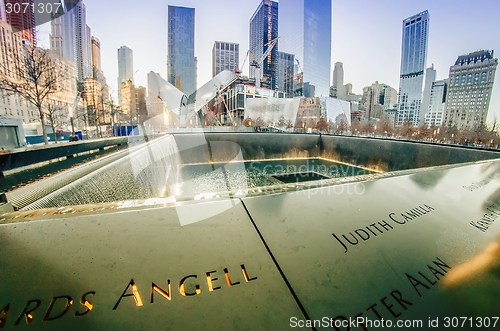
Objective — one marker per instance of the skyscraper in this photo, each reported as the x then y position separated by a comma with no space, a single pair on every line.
225,56
263,30
181,63
21,20
413,62
435,111
2,11
430,77
125,68
96,53
469,90
286,64
305,30
98,74
71,38
377,98
337,90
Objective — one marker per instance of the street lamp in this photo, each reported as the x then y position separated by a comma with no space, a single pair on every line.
71,120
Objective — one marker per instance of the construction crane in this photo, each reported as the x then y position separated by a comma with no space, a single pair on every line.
298,65
257,64
238,71
300,78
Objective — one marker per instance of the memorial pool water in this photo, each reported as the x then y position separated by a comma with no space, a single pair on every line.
216,177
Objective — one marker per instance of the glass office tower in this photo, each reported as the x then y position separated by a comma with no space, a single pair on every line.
71,38
125,68
305,30
413,62
181,63
263,30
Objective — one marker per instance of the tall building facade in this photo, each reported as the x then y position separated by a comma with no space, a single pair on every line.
305,30
263,30
337,90
71,38
435,111
125,68
10,49
430,78
2,11
286,64
469,92
129,103
181,62
413,62
96,67
20,19
377,98
96,53
225,56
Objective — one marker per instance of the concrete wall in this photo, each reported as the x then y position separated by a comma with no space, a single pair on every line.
390,155
254,146
11,133
27,156
385,155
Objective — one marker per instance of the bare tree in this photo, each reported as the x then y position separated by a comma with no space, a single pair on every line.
55,112
299,124
423,132
311,123
406,129
342,124
367,127
322,125
247,122
34,76
385,126
258,124
355,125
281,121
211,119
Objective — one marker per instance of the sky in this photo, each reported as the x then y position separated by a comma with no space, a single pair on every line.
366,35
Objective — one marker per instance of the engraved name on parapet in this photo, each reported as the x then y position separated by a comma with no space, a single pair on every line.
377,228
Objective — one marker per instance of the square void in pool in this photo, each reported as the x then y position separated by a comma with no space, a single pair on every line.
206,177
299,177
